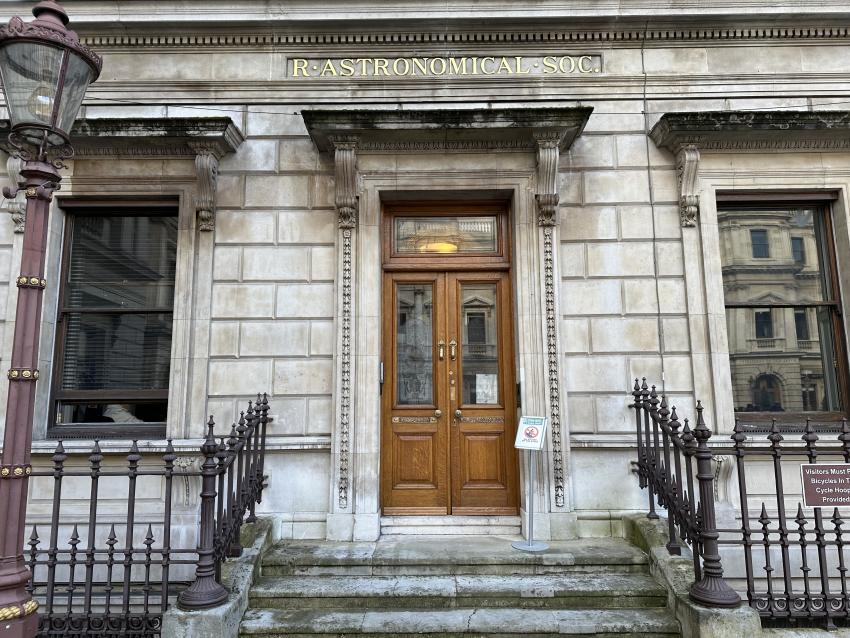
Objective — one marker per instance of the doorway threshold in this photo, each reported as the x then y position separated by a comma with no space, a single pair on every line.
451,525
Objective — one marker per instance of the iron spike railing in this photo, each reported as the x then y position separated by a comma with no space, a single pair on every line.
691,514
98,581
787,559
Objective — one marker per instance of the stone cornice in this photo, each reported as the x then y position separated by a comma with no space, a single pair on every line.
755,131
206,140
467,130
687,135
300,39
130,137
275,14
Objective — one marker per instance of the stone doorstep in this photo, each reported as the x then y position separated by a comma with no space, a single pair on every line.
465,623
563,591
399,551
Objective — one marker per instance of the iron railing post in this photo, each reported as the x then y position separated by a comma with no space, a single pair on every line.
711,590
206,592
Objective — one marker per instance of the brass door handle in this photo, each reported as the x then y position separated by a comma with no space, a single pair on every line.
458,414
453,350
438,413
441,350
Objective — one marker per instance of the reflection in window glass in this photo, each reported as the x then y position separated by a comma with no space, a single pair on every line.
445,235
764,324
761,249
480,357
414,344
779,321
798,250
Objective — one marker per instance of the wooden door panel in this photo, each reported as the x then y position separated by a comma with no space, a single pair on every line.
418,464
414,441
484,463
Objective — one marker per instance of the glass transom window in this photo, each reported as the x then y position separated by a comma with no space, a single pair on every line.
446,235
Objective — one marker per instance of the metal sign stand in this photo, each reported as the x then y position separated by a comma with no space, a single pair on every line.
529,545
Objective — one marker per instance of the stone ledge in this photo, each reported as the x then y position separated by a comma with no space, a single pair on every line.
676,573
754,131
237,576
149,137
462,130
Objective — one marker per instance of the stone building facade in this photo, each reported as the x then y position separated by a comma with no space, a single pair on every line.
618,156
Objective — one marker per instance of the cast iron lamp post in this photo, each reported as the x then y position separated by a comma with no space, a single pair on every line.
45,72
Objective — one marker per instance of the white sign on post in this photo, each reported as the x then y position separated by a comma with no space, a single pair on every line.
531,433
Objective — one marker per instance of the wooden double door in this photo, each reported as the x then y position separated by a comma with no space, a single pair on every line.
449,394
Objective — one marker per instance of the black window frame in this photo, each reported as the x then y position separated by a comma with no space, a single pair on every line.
107,207
821,203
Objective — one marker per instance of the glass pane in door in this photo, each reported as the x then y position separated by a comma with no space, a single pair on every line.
414,344
479,334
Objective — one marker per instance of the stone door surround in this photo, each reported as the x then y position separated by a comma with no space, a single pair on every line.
379,156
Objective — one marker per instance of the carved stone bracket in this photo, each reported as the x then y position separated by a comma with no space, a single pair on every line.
687,163
17,205
548,143
206,166
345,171
687,135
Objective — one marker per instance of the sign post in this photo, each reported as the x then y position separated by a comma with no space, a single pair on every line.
530,436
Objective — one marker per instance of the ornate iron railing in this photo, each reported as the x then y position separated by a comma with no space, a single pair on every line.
788,561
112,567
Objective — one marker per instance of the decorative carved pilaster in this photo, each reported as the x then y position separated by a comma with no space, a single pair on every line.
17,205
206,166
547,217
345,167
687,162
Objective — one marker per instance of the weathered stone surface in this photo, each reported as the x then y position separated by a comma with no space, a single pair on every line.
601,187
242,300
278,263
277,191
244,227
601,297
305,300
312,376
310,227
273,338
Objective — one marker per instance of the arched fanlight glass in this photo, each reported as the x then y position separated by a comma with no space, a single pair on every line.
45,72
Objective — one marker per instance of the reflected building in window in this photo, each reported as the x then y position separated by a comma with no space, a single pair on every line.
780,313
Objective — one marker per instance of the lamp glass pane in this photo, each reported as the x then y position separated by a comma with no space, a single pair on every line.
77,79
30,73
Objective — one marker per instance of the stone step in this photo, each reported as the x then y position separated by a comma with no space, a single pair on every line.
445,555
452,525
458,623
563,591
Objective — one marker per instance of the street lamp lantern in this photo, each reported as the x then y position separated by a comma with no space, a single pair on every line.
45,71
